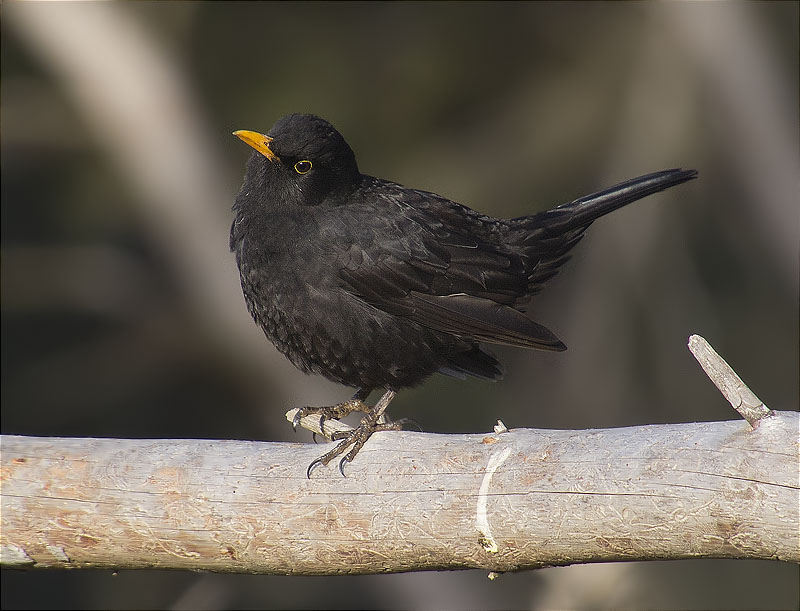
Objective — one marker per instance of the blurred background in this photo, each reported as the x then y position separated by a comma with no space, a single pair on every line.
122,314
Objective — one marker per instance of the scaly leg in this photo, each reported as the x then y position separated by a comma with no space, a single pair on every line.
371,423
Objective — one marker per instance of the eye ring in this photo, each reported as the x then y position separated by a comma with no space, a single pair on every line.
303,166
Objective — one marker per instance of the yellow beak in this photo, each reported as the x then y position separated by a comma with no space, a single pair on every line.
260,142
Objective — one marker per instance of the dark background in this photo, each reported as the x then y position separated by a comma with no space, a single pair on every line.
121,310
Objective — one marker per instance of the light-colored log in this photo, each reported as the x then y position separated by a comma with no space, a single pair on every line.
410,501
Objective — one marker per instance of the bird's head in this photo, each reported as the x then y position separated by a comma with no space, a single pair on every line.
301,161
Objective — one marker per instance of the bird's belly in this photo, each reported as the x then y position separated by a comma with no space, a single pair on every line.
335,334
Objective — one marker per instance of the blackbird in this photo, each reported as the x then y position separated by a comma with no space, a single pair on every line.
377,286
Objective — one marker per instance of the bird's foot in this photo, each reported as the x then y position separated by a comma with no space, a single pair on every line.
355,439
333,412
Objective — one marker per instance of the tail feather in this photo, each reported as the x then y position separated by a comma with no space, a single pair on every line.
580,213
545,238
477,362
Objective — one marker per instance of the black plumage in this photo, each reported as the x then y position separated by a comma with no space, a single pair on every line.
376,285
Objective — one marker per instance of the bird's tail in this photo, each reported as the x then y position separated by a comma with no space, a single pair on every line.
580,213
545,238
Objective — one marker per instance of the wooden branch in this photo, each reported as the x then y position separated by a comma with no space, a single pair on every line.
411,501
500,501
738,394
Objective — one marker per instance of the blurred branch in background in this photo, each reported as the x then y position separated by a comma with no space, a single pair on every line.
745,81
140,109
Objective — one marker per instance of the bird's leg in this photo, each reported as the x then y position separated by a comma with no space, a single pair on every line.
334,412
373,422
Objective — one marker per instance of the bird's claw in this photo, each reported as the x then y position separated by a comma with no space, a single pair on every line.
352,442
323,416
342,463
319,461
314,464
399,423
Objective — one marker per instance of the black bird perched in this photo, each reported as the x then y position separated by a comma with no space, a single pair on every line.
377,286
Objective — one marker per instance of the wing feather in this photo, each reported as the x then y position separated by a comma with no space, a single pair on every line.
470,297
482,320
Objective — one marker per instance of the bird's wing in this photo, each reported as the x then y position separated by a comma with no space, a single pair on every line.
445,277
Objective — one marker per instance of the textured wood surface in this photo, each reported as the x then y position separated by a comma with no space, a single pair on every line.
411,501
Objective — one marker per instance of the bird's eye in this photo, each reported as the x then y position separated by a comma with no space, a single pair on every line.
303,166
